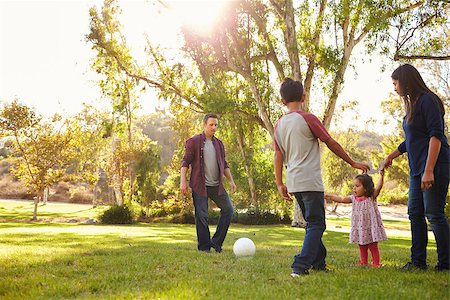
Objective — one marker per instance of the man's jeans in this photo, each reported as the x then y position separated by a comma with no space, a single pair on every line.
429,203
201,219
313,252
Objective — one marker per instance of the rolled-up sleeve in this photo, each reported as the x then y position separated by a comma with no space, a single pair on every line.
402,147
433,117
188,153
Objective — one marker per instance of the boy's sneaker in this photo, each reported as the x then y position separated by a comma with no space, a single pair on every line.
299,272
412,267
322,268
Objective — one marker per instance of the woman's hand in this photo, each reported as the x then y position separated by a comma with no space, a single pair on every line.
427,180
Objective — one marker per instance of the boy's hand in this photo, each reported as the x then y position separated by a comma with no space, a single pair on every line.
362,166
282,190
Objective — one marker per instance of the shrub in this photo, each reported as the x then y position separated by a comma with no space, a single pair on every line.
169,207
393,196
253,217
117,215
184,217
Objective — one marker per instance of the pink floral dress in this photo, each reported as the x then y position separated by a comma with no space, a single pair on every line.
367,226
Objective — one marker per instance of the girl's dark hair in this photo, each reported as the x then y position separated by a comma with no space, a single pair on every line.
367,183
413,86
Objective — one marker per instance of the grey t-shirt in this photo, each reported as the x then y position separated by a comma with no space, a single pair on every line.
296,136
210,163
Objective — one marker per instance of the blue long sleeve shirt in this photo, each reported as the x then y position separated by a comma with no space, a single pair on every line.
428,121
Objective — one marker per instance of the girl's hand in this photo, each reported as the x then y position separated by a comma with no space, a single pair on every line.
382,172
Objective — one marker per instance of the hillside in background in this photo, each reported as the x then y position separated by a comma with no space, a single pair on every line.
155,126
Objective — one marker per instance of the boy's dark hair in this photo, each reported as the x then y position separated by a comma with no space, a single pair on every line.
367,183
291,90
207,116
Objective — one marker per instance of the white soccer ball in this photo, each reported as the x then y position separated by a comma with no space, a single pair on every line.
244,247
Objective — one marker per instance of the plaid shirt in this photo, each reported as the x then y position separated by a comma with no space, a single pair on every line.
193,156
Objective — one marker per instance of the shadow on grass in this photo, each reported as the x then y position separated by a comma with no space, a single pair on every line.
161,261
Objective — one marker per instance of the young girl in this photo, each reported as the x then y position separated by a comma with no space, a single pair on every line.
367,228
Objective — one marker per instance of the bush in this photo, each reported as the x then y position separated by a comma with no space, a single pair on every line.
252,217
184,217
393,196
117,215
169,207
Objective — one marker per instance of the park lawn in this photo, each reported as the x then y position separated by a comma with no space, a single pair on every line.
22,210
160,261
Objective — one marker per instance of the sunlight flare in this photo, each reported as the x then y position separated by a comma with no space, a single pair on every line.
199,16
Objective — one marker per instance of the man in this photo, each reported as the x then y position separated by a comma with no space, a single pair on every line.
296,145
206,155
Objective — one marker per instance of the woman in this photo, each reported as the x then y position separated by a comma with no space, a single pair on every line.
429,164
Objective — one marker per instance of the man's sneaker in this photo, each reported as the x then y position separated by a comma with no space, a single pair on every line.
412,267
299,272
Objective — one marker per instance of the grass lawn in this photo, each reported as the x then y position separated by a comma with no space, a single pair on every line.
159,261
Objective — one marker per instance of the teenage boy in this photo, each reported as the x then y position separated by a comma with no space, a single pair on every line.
296,146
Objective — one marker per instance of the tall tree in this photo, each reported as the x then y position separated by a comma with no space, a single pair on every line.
43,150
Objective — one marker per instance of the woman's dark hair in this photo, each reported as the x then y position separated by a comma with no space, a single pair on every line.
367,184
413,86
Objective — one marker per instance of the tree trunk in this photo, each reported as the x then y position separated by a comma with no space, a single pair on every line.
337,85
45,196
36,202
247,167
312,58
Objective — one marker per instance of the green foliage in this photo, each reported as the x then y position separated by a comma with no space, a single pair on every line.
117,214
147,170
258,217
397,195
169,207
337,174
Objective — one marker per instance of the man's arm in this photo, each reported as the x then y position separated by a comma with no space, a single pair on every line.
337,149
187,159
183,181
278,165
229,177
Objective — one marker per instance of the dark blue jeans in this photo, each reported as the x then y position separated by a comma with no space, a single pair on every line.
313,252
205,243
430,204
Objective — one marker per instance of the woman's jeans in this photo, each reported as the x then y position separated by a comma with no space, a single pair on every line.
429,203
205,243
313,252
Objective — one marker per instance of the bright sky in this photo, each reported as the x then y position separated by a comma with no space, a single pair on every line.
45,60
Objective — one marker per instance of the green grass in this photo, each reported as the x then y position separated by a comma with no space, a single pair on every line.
160,261
11,210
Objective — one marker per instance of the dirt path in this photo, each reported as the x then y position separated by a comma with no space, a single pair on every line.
388,212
